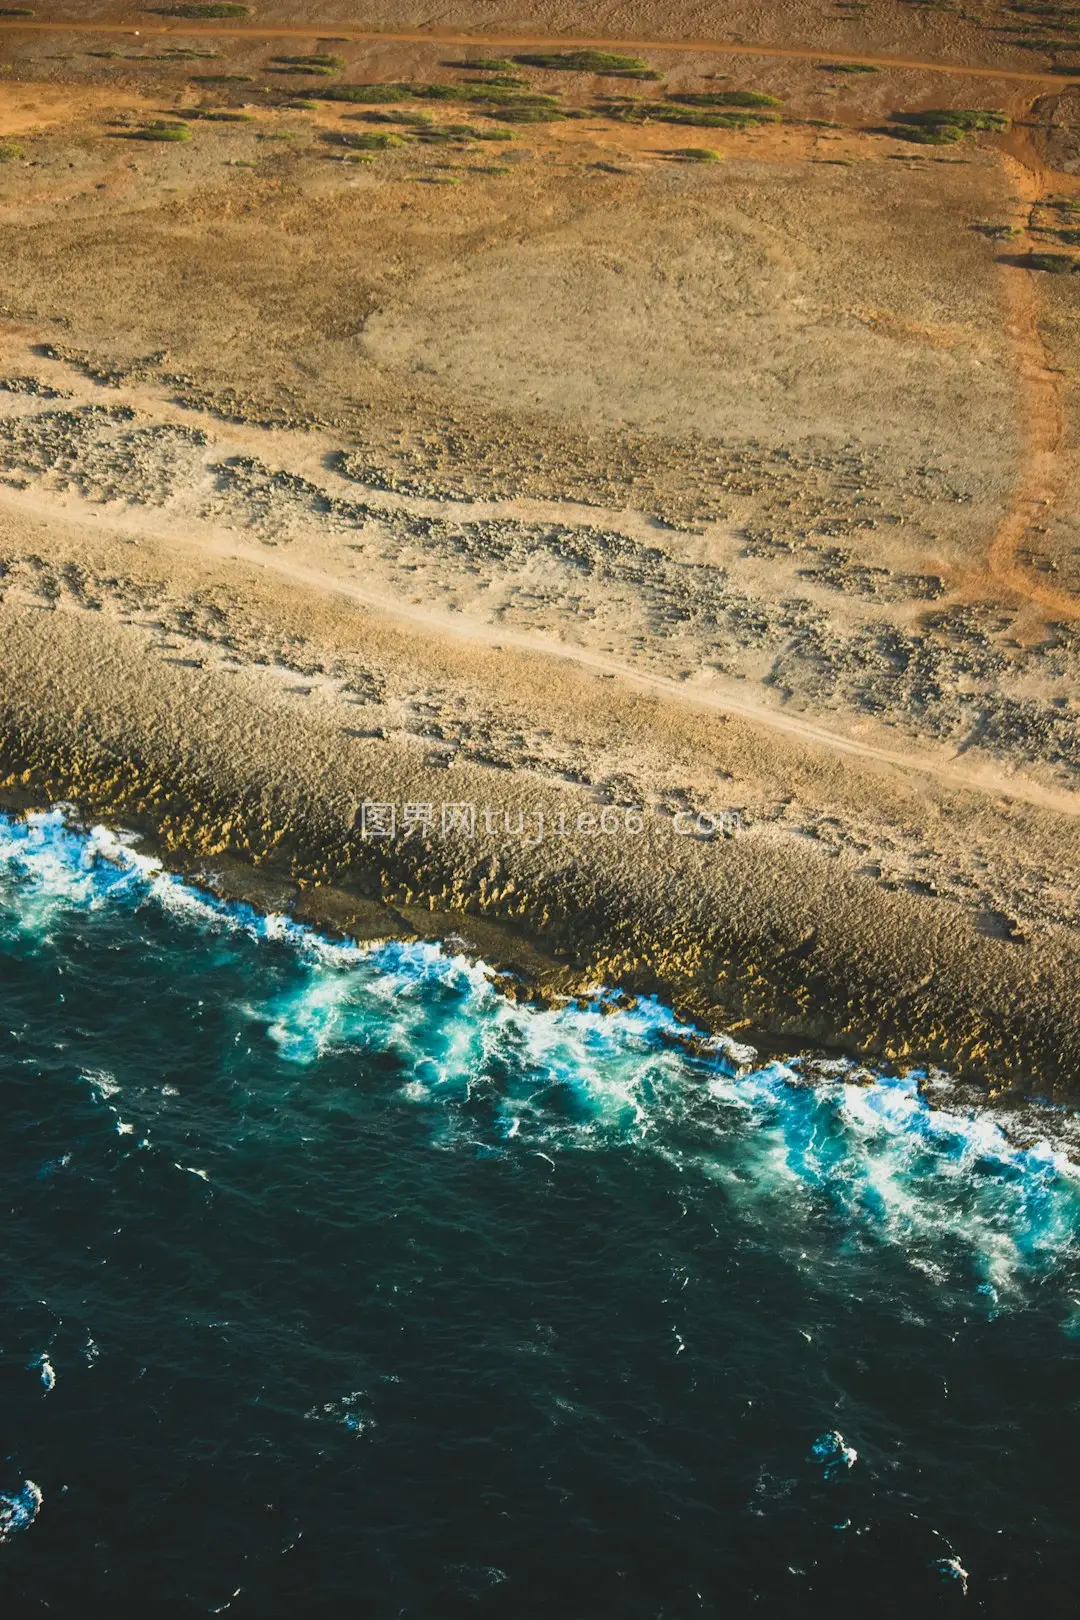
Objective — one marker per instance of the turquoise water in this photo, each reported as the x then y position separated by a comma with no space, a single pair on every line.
335,1283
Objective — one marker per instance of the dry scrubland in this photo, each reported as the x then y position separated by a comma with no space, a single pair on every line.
407,420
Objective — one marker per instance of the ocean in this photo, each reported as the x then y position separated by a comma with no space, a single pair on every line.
337,1284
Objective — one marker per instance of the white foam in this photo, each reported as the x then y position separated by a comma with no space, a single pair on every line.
19,1512
46,1371
102,1083
190,1170
954,1570
945,1186
834,1454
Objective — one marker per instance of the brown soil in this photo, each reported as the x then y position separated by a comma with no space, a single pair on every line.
561,475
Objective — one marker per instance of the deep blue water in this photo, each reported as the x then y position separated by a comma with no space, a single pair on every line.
335,1284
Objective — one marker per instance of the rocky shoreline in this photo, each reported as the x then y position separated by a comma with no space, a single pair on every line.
758,935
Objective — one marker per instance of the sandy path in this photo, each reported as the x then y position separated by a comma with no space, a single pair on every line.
437,36
725,702
226,547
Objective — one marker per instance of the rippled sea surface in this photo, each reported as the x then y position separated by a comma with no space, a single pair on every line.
336,1284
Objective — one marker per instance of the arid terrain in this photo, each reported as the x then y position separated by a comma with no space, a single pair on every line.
394,414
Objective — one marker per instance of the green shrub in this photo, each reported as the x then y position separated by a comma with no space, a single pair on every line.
969,119
1055,264
524,113
229,117
666,112
444,134
447,92
931,135
433,134
334,62
365,95
726,98
511,106
163,132
368,140
945,126
496,95
16,11
217,8
9,151
847,67
310,72
629,67
1070,236
695,154
420,119
489,64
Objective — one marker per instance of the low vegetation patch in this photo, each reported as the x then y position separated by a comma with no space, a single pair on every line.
1054,264
946,126
435,134
601,62
367,140
668,112
365,95
310,61
695,154
525,112
420,119
996,233
16,11
223,78
504,81
163,132
216,8
9,151
726,98
316,66
847,67
492,101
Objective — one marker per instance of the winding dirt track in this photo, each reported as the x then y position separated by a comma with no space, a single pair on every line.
521,42
226,546
940,768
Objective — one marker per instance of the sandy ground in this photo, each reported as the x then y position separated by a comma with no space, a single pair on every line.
720,514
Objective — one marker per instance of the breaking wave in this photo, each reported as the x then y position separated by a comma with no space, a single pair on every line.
196,1059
